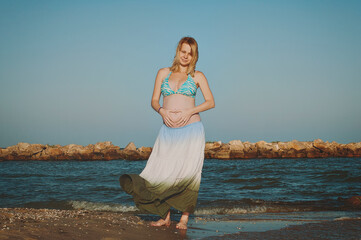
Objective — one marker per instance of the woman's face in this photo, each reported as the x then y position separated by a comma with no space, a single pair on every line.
185,56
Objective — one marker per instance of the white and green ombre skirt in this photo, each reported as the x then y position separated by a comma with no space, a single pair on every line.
172,175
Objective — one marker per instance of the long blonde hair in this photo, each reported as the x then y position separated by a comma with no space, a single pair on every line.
194,52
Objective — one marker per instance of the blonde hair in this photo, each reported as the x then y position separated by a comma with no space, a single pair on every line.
194,52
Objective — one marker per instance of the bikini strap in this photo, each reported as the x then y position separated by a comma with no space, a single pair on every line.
168,75
189,75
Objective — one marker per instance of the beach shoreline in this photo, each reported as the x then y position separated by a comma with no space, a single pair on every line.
331,230
31,223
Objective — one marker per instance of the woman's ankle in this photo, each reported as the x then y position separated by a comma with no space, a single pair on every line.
185,216
167,217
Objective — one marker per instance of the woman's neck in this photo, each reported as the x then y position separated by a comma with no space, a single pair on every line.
183,69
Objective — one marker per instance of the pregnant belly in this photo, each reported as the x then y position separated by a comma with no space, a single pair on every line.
176,115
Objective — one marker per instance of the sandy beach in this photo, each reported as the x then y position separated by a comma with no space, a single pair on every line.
29,223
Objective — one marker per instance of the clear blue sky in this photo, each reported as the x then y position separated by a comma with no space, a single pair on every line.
83,71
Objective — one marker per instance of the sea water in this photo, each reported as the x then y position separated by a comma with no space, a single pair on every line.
231,190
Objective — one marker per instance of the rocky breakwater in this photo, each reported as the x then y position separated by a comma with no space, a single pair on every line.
294,149
99,151
235,149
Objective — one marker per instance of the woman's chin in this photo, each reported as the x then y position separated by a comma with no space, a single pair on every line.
184,64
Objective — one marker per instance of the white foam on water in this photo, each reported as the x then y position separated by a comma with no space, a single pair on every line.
347,218
236,210
245,210
95,206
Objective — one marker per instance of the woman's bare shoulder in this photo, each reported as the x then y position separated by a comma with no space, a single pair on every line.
165,70
199,76
162,73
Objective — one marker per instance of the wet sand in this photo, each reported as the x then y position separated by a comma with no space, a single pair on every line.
29,223
330,230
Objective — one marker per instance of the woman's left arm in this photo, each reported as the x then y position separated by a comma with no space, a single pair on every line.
207,104
207,94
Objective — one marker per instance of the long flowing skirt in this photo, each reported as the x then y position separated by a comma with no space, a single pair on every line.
172,175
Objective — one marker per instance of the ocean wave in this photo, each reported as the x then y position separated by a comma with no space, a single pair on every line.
23,175
98,206
251,180
245,206
248,209
225,211
215,207
257,187
347,218
356,179
334,175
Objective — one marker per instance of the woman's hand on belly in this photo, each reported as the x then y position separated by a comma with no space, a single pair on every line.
183,117
170,117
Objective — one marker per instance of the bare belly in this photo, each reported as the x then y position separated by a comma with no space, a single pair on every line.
180,102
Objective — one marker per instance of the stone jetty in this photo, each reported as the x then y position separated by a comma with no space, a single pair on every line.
235,149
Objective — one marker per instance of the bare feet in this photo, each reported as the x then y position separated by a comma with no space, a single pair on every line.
183,221
181,225
160,222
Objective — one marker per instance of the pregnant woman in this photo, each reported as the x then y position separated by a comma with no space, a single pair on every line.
172,175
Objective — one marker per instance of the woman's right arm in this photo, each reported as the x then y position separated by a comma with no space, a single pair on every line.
162,73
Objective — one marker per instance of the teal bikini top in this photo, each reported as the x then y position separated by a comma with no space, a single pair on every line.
188,88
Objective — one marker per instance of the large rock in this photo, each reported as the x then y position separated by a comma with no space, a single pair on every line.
130,152
131,146
211,148
320,145
23,151
353,149
266,150
250,150
51,153
144,152
236,147
113,153
224,152
74,152
108,151
103,146
297,145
